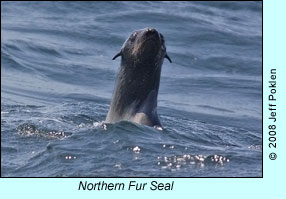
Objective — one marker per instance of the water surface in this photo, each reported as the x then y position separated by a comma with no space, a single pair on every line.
57,78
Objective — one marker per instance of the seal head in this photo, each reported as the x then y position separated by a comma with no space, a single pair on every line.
136,89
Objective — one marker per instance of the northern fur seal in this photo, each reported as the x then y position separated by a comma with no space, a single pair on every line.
136,89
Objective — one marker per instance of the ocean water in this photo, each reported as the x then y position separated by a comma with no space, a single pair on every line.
57,78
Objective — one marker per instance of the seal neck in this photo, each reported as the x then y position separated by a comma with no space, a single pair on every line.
134,85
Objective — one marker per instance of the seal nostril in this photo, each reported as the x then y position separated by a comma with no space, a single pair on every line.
150,31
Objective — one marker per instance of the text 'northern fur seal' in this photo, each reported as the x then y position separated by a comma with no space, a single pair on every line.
136,88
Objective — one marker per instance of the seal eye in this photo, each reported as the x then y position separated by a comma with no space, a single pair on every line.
133,36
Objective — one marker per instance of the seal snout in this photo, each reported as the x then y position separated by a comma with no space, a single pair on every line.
150,31
151,35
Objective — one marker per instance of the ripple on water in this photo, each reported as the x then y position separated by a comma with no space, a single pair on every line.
31,130
187,160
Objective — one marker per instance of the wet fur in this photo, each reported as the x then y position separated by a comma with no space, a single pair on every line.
137,85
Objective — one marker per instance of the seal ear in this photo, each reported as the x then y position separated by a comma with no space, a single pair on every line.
117,55
167,57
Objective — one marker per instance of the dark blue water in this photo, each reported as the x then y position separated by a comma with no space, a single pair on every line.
57,78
